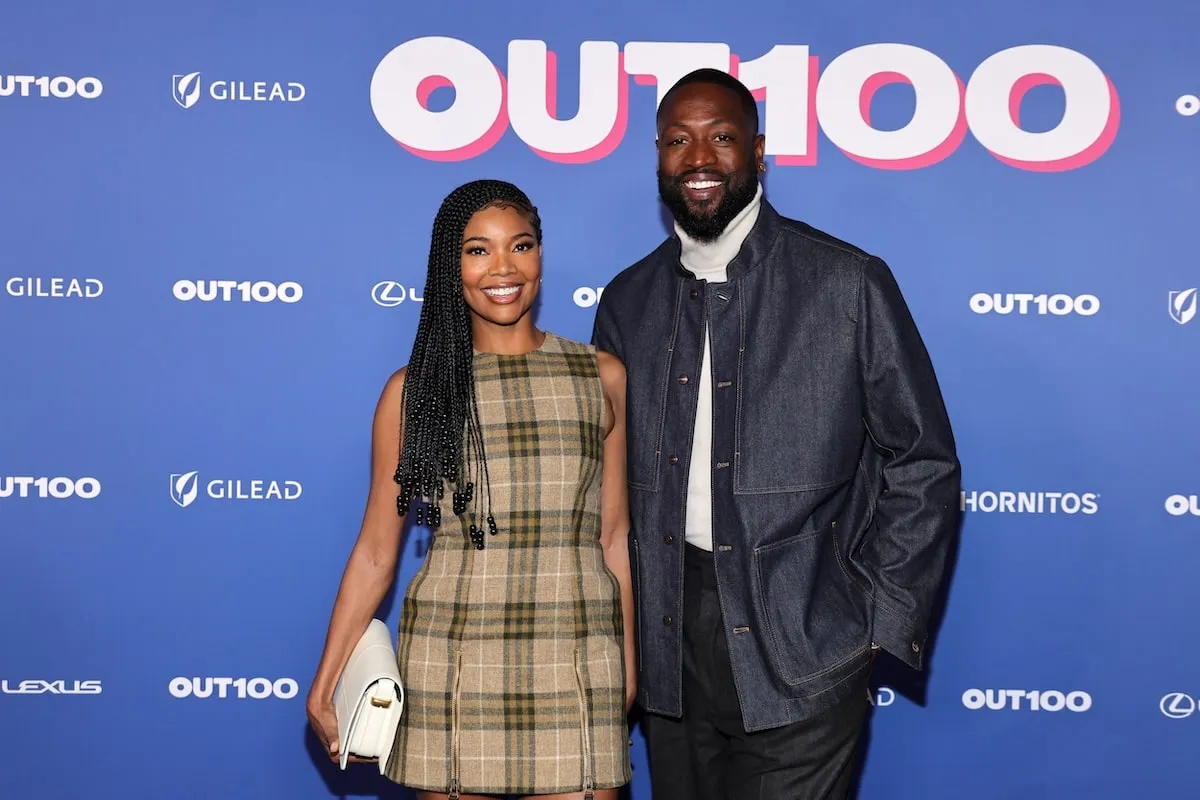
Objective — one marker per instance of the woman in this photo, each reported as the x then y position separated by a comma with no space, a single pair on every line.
516,635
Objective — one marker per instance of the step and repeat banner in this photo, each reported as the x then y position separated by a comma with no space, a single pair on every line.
215,222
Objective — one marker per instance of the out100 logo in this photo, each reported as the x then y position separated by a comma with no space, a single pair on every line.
798,96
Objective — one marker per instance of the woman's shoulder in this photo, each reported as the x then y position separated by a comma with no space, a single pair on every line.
567,344
391,398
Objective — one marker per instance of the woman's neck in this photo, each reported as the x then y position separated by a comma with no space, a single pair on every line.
506,340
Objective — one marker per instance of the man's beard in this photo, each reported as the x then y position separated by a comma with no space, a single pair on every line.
740,188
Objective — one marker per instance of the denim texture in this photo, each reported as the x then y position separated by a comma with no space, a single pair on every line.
835,474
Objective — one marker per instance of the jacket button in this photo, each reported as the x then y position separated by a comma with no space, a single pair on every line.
669,539
694,294
916,647
673,459
667,620
683,378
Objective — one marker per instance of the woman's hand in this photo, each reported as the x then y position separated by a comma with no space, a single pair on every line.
323,720
324,723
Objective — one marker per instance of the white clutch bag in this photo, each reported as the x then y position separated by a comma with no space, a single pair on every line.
369,698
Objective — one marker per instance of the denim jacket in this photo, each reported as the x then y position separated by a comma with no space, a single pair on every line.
835,478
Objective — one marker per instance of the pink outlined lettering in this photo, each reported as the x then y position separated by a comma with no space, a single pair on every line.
929,158
814,76
610,143
1081,159
476,148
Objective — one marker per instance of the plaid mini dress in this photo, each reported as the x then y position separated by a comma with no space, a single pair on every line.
511,656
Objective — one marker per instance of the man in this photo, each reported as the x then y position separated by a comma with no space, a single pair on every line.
793,477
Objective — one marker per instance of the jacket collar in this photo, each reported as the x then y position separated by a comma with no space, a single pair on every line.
753,252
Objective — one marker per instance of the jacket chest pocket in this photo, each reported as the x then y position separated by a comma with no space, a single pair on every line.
646,394
799,417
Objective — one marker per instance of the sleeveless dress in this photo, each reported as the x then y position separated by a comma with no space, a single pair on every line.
511,656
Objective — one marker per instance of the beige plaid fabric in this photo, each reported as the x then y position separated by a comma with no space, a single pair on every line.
511,655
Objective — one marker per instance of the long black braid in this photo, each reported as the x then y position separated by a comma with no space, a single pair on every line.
443,440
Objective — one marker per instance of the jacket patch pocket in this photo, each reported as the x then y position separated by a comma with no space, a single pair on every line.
814,619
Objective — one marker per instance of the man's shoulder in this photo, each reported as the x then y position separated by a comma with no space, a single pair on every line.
822,242
645,270
848,265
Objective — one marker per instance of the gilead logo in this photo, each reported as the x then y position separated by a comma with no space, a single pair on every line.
54,287
799,97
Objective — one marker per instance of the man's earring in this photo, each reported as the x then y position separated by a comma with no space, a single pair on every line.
762,167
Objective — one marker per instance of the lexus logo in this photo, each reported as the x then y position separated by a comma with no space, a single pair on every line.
390,294
1177,705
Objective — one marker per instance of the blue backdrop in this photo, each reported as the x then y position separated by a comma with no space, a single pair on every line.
215,223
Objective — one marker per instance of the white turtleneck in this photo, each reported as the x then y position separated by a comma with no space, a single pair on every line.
708,262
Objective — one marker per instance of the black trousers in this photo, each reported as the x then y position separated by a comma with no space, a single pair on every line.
708,755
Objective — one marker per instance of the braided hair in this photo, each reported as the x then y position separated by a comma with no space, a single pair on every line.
443,441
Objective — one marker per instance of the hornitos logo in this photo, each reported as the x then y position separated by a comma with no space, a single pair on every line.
1179,505
60,87
238,291
187,89
234,688
26,486
54,287
390,294
1182,305
586,296
186,488
800,99
1026,700
1029,502
1058,305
